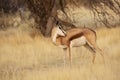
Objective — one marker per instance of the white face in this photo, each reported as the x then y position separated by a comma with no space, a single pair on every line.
60,31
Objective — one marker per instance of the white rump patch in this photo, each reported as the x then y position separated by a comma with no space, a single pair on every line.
78,42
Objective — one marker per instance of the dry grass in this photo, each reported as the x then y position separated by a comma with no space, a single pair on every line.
29,56
26,55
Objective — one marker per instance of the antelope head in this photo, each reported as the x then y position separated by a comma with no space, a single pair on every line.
60,31
57,31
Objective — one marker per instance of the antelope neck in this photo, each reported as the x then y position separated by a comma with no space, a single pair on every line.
54,38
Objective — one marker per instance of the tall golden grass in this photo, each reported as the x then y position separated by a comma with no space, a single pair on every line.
27,55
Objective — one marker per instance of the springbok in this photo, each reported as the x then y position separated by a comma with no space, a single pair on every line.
74,38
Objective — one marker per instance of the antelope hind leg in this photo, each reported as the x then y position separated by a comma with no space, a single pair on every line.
91,49
100,52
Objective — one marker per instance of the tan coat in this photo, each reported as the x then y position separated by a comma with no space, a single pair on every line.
76,33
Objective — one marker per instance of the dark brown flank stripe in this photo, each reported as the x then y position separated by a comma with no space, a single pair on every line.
76,36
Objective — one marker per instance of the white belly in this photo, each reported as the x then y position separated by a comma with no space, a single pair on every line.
78,42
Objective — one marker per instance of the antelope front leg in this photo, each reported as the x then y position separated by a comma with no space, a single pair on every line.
69,53
64,53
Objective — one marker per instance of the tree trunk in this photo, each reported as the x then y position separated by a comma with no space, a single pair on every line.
51,19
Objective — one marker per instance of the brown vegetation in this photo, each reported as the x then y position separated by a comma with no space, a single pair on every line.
46,11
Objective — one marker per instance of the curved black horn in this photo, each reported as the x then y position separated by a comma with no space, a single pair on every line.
57,22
